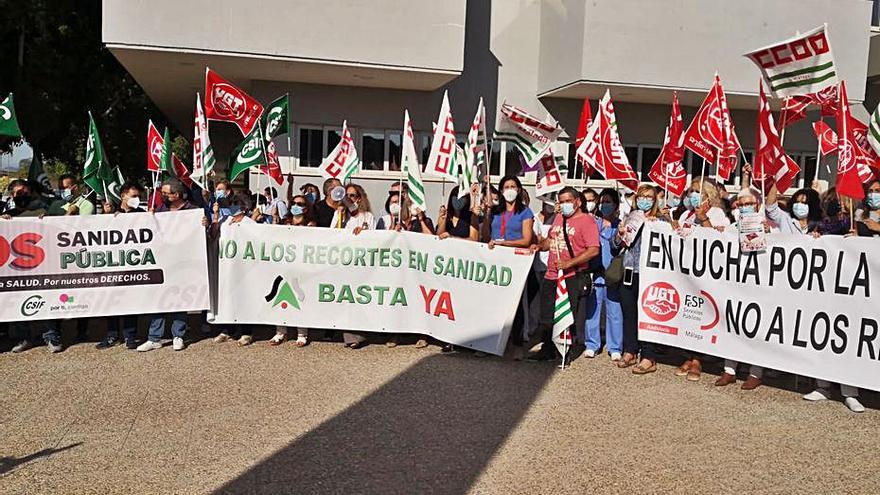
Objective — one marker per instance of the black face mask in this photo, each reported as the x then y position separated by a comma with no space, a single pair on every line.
833,208
22,200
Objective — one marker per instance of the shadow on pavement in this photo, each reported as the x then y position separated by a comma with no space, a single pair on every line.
432,429
7,464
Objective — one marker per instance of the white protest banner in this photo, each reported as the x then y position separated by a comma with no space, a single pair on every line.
102,265
802,306
454,290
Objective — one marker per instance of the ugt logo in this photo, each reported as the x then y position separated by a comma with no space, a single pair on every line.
661,301
282,294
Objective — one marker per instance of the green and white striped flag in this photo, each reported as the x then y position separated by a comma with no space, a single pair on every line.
800,65
466,173
411,167
531,136
203,152
563,318
477,151
874,130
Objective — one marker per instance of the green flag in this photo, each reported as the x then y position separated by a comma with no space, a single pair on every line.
165,163
276,117
94,159
8,120
37,174
250,153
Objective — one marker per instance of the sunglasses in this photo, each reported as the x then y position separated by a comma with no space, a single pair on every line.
354,195
298,203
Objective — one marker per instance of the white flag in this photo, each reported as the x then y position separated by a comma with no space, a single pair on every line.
800,65
549,174
343,161
477,151
203,153
531,136
410,165
441,159
563,318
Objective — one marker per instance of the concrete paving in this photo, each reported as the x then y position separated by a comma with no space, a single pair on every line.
217,418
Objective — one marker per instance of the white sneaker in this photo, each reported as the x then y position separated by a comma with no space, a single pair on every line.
177,344
615,356
220,338
590,353
817,395
245,340
149,346
854,405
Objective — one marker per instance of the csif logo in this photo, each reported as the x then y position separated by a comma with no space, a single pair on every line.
252,150
32,305
273,121
284,295
661,301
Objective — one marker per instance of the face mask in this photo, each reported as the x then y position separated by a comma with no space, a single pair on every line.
606,209
133,202
220,193
458,203
874,200
166,201
874,215
674,202
746,209
394,209
494,202
591,206
337,193
644,204
66,194
694,200
311,197
833,208
234,210
22,200
800,210
296,210
510,195
567,209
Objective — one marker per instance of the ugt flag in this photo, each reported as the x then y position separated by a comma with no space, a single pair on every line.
800,65
226,102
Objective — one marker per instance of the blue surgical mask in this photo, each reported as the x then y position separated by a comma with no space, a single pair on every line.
296,210
746,209
694,199
800,210
567,209
66,194
606,209
311,197
220,193
873,200
644,204
674,201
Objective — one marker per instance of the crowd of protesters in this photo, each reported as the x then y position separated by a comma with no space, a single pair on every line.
576,232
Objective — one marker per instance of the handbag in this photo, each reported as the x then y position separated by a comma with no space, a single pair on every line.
614,272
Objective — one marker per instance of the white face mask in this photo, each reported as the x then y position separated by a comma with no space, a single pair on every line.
133,202
510,195
394,209
591,206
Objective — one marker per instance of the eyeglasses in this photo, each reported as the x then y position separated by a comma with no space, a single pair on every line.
353,196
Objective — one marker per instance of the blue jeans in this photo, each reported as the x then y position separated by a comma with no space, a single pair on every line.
129,327
19,330
610,298
157,326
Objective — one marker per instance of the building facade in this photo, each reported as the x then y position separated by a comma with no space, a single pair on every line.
368,61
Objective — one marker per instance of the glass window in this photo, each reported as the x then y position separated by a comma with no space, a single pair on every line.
513,160
332,137
425,140
310,147
574,170
649,156
395,148
632,154
373,150
495,161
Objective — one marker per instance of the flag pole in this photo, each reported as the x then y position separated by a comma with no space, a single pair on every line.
818,155
782,133
703,175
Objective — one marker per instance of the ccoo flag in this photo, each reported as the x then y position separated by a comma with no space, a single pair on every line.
343,161
411,167
563,318
800,65
441,159
203,152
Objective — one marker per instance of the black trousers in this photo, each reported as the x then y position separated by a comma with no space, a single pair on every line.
629,304
575,287
517,333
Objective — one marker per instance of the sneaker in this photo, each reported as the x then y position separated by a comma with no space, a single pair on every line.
22,346
220,338
615,357
590,353
854,405
817,395
149,346
243,340
54,346
177,343
131,344
106,343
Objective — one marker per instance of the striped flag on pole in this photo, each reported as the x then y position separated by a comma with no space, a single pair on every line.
874,130
529,135
343,161
563,318
800,65
410,165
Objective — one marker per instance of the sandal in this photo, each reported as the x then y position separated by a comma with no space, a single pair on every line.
685,368
278,339
693,374
642,370
301,342
626,363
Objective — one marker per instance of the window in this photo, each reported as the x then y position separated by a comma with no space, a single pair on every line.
332,136
513,160
495,160
394,150
310,147
372,150
632,155
649,156
425,140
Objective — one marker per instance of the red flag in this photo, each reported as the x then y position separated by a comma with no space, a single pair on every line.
155,146
827,99
181,171
667,171
790,173
273,169
794,109
728,159
705,136
616,163
848,181
583,123
770,163
224,101
826,137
